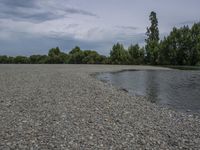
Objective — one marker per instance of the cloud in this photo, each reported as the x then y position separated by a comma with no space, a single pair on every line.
37,11
127,27
28,38
18,3
34,26
72,25
79,11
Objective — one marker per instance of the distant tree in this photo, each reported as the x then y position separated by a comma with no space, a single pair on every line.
3,59
76,56
106,60
6,60
169,49
195,51
21,60
118,54
136,54
55,56
34,59
43,59
64,57
181,47
184,46
39,59
152,41
75,50
54,52
10,60
92,57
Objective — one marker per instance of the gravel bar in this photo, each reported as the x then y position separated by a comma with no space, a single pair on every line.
65,107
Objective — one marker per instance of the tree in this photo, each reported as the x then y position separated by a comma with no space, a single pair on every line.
195,51
10,60
136,55
39,59
92,57
56,56
152,41
181,47
64,58
75,50
21,60
54,52
3,59
118,54
184,46
76,56
169,48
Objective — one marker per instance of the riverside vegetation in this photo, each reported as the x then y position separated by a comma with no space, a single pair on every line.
180,47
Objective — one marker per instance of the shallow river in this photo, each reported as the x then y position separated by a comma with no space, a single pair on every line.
179,89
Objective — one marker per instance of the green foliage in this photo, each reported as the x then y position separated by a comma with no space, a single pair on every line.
21,60
10,60
76,56
38,59
54,52
118,54
75,50
136,55
181,47
153,31
92,57
195,38
152,41
6,60
55,56
3,59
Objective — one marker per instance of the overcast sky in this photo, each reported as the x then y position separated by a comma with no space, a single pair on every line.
33,26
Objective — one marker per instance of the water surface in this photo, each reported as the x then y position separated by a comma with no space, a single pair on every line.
179,89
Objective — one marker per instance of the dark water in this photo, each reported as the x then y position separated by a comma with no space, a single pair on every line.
179,89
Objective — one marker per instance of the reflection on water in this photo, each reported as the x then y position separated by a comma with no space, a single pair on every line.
179,89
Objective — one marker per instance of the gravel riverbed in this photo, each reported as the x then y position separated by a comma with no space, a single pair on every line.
65,107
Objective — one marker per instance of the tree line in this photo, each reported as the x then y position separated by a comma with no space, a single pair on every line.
180,47
56,56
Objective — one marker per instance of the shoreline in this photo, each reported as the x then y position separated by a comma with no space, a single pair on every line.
63,106
185,111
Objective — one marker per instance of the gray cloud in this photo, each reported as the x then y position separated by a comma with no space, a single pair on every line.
18,3
34,11
127,27
26,44
24,10
79,11
34,26
31,17
72,25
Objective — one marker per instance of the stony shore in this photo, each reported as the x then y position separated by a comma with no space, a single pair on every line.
64,107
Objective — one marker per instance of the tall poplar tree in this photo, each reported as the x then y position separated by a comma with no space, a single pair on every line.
152,41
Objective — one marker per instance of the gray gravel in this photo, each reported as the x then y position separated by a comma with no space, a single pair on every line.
64,107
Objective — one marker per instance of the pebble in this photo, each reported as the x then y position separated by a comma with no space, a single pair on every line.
65,106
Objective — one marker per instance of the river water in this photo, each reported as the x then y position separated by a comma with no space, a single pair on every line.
178,89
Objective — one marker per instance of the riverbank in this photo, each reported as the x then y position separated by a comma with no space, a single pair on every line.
63,106
175,89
